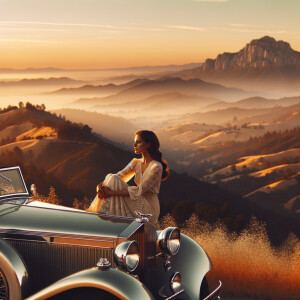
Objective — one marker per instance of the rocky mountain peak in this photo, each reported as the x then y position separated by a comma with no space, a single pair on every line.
261,53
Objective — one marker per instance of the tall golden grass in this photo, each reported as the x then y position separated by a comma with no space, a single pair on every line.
246,263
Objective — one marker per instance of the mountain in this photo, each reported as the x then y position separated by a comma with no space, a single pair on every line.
255,102
264,64
193,86
62,81
99,89
30,70
258,54
140,89
168,103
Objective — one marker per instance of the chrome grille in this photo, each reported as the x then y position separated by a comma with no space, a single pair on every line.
146,238
48,262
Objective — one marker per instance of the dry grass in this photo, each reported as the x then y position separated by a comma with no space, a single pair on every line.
247,264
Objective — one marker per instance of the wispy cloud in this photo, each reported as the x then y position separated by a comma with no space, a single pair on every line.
58,24
187,28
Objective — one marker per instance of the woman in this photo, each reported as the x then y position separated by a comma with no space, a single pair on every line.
116,197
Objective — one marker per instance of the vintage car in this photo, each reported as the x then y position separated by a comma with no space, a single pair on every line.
51,251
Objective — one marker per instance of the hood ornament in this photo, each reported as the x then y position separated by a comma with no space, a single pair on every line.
33,190
103,264
142,218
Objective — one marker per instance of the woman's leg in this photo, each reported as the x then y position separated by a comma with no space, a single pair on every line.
115,205
96,203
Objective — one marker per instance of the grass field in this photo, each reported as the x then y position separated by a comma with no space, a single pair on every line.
248,266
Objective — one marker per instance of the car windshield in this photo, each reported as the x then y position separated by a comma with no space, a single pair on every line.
11,182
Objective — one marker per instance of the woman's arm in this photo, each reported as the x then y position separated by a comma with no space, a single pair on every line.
107,192
154,178
128,172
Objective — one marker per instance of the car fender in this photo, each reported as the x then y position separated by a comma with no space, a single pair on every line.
14,270
191,262
116,282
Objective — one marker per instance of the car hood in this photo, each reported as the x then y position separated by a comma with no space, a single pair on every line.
30,220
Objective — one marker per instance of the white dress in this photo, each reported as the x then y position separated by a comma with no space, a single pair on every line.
142,198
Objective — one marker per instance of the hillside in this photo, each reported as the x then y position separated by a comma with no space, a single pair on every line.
255,102
270,180
75,161
116,129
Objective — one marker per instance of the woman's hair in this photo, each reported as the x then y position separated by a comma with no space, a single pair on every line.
150,137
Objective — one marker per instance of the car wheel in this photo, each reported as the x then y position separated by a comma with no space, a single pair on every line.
204,291
4,292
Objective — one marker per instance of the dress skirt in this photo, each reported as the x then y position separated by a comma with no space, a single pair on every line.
124,205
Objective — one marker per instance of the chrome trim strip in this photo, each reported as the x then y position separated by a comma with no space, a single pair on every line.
215,292
56,234
174,295
57,243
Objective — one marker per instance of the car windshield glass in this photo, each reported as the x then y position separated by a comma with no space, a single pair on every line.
11,182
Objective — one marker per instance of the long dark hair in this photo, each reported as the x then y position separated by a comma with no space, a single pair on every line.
150,137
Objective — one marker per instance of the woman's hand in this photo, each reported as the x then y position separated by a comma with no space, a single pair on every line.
107,191
100,190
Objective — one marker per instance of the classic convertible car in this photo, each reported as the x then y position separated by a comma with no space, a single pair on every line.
51,251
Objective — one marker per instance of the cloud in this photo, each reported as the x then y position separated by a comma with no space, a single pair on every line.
186,28
58,24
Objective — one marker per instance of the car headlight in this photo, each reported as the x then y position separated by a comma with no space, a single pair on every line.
175,283
169,240
127,255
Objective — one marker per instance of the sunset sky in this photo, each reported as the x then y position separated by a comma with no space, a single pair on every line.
120,33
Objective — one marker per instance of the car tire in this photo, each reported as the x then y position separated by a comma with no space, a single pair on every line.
204,291
4,289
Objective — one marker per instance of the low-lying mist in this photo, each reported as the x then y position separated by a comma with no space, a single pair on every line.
246,263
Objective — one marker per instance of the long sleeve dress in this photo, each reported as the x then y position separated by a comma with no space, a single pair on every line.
142,198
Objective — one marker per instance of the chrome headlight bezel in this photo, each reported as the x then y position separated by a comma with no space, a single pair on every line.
169,240
127,255
175,282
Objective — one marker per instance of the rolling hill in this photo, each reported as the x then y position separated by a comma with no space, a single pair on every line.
142,88
255,102
75,159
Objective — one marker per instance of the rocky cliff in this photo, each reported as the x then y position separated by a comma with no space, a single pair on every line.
261,53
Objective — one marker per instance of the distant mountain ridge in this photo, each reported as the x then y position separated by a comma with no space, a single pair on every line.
41,81
145,88
264,65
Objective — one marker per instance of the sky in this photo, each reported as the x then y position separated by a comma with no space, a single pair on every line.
88,34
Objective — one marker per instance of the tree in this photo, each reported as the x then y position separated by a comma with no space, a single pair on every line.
84,204
52,197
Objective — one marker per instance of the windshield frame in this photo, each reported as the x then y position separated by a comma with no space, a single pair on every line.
22,180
